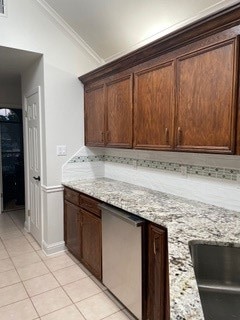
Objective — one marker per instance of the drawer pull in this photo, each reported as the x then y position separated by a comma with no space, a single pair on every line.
108,136
179,136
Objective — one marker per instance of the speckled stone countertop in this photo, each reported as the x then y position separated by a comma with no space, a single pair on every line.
186,220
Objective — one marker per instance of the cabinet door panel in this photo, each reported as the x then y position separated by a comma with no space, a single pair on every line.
154,107
157,274
206,99
94,116
72,228
119,113
92,243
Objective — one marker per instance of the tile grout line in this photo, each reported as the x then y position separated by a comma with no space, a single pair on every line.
61,286
74,303
23,282
29,298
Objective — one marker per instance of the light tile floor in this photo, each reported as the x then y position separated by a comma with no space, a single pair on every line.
57,287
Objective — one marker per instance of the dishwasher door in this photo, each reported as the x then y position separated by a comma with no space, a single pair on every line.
122,257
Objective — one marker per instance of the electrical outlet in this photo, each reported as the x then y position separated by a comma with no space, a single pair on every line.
61,150
184,171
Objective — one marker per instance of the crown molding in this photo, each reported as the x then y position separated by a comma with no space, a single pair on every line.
65,27
197,30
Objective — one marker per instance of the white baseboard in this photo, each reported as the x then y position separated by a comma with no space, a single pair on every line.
54,247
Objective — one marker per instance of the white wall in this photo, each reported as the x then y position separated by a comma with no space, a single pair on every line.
64,61
28,27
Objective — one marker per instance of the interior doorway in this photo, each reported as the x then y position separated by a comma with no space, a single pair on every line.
20,72
12,159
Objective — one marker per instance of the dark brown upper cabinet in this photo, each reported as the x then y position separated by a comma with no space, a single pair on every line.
154,104
94,116
119,112
206,99
108,113
185,89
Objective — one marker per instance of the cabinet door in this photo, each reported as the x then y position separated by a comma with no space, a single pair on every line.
206,99
154,108
94,116
119,112
72,228
157,274
92,243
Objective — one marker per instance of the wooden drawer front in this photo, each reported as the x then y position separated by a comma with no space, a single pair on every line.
71,195
90,204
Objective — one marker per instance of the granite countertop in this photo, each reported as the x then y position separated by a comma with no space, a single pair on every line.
186,220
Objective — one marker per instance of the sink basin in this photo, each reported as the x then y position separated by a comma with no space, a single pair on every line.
217,271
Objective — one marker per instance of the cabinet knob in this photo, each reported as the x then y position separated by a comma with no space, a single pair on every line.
179,135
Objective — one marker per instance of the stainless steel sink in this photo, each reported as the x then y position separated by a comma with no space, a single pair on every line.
217,270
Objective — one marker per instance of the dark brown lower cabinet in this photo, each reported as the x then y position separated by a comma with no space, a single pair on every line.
92,243
158,292
83,230
72,228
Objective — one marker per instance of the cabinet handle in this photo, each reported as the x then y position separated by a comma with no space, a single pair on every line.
102,136
179,135
154,247
166,135
108,136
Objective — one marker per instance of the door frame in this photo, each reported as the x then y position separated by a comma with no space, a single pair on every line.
26,158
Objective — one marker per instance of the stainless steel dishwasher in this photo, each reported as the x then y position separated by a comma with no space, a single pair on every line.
122,257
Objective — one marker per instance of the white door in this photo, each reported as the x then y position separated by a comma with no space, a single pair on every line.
34,166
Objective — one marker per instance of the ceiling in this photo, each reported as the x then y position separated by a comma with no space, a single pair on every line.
114,27
13,62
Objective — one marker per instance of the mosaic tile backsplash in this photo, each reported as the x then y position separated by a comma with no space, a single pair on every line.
211,172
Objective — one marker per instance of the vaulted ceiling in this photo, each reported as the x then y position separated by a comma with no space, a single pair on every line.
114,27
